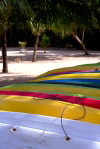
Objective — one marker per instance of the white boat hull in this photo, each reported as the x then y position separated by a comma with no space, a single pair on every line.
30,131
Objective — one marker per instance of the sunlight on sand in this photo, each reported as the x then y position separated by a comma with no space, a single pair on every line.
20,63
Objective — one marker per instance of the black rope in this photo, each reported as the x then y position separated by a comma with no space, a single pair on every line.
67,137
79,101
84,113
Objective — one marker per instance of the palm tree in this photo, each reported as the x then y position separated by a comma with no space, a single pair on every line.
44,15
75,17
87,20
36,29
65,17
5,13
9,10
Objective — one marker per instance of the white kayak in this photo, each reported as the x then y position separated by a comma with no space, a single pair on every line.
30,131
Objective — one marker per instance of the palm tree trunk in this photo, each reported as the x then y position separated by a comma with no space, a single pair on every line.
83,32
36,46
4,53
81,43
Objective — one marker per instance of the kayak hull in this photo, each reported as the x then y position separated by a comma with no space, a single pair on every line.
30,131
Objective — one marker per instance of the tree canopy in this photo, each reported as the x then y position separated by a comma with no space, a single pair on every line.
63,17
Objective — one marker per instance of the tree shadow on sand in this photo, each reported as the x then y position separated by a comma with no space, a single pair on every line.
7,80
55,54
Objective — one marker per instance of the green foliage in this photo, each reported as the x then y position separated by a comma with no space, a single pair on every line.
13,11
36,26
45,41
75,15
63,17
68,45
22,44
5,14
45,15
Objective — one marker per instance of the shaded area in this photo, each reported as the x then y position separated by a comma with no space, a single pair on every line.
15,55
7,80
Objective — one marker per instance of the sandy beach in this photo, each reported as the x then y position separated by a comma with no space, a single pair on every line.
22,69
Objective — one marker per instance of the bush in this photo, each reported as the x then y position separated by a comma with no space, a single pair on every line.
68,45
45,42
22,44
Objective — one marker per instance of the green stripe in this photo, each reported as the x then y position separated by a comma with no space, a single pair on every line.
93,64
40,84
51,91
60,92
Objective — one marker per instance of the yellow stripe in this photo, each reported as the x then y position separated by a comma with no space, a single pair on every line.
69,69
67,76
48,108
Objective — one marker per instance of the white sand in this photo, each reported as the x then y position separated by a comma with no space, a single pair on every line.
22,69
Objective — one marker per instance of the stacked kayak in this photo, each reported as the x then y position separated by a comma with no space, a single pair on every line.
60,108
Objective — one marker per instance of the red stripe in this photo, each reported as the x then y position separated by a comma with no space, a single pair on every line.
73,71
72,99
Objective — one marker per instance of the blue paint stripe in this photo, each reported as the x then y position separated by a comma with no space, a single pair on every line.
75,80
62,73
